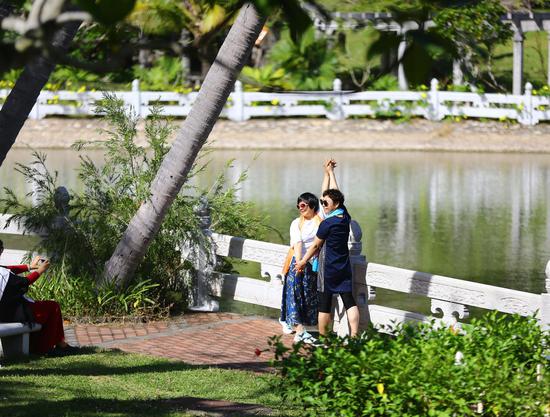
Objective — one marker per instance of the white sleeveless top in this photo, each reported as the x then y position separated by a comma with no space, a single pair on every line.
306,235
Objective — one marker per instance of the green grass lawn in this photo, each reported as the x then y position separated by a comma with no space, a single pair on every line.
118,384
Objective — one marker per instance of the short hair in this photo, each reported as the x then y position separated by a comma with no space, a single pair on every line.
335,195
310,199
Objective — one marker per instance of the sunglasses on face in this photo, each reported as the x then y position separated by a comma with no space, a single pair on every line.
301,206
324,203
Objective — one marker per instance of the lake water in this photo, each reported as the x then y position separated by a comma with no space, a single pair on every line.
480,217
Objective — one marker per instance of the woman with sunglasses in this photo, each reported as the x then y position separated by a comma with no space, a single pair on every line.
299,304
334,266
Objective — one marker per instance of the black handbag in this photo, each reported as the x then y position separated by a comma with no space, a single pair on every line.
14,308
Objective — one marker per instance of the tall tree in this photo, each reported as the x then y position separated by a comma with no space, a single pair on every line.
192,135
24,94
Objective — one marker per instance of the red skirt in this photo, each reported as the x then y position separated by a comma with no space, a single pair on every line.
48,314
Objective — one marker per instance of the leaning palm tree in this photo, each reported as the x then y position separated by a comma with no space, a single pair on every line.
192,135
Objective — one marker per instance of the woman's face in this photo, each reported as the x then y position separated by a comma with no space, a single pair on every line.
304,209
327,204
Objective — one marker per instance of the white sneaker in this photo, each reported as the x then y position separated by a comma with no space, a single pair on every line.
287,328
306,338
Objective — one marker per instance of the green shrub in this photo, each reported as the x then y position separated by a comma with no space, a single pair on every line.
166,74
416,373
308,64
385,83
82,237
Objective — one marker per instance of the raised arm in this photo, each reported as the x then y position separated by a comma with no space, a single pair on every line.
329,179
326,177
332,176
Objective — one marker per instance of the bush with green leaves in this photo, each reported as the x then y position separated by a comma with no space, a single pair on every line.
309,63
496,368
166,74
81,236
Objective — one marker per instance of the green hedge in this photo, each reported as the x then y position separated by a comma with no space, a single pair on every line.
419,372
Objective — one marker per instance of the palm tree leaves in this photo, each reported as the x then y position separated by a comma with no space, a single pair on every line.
309,63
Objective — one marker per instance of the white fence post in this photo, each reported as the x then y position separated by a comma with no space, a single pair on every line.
237,111
336,112
526,115
434,112
136,98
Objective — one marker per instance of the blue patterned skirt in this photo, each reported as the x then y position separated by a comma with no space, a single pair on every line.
299,304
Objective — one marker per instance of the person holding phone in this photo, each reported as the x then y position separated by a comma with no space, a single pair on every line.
51,338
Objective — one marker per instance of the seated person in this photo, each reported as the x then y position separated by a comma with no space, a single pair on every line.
51,338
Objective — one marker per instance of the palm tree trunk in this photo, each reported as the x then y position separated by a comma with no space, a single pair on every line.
22,97
191,137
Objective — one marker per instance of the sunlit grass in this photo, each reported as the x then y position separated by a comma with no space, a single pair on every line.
117,384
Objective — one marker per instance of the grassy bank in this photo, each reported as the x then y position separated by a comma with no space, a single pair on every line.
118,384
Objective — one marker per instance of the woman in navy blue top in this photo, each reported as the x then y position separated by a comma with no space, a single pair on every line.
335,275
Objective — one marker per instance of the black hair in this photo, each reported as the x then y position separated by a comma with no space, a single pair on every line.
1,245
310,199
335,195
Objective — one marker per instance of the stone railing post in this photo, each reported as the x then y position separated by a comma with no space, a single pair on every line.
545,305
61,200
434,111
401,76
237,111
518,39
203,257
136,98
336,112
458,75
361,292
526,116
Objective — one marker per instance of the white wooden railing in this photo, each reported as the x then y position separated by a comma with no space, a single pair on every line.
527,109
449,297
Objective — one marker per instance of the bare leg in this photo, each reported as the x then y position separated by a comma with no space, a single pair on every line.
299,328
324,323
353,320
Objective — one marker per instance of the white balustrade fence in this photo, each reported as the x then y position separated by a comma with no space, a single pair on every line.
527,109
449,297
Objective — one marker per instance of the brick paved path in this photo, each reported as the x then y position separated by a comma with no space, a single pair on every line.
218,339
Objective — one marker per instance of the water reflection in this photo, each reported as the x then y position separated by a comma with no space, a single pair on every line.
482,217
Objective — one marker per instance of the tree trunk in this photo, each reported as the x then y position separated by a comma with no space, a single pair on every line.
22,97
191,137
